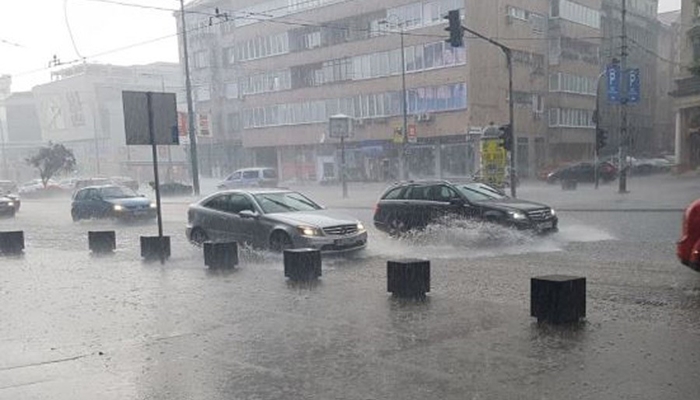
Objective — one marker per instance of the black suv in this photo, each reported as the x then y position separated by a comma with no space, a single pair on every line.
414,205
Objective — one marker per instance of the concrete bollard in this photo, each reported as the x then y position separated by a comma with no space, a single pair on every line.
151,247
408,277
220,254
11,242
558,298
569,184
102,241
302,264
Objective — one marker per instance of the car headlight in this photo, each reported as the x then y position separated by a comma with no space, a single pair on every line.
118,208
517,215
309,231
360,227
552,212
153,205
10,204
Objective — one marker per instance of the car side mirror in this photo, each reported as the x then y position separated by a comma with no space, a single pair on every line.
248,214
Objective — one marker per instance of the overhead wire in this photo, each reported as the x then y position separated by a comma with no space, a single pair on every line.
70,31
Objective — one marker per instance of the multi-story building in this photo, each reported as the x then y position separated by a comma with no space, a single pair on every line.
687,91
667,69
271,73
82,108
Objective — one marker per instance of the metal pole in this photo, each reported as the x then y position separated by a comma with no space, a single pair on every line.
342,167
597,128
97,142
4,151
403,165
155,174
190,108
511,118
511,102
624,139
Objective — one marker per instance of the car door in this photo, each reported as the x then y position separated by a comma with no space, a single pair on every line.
250,178
418,211
234,180
92,203
223,220
446,203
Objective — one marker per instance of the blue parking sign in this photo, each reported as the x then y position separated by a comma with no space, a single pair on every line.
634,88
613,78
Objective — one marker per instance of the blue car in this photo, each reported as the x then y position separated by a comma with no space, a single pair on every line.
111,201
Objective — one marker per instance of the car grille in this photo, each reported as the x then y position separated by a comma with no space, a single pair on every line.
340,230
540,215
138,207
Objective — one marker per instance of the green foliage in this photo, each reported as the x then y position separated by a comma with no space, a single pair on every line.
51,160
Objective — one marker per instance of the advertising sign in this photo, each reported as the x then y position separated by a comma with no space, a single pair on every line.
613,79
634,82
412,134
493,161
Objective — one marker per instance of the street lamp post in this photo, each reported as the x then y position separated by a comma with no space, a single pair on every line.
4,151
403,167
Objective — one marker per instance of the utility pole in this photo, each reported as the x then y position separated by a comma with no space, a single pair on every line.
403,164
624,134
597,120
4,151
190,108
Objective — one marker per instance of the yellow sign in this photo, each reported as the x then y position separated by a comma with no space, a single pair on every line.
493,161
398,135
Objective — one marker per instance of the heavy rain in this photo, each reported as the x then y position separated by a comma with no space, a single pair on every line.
328,199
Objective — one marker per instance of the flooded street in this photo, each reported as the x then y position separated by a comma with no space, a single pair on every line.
81,326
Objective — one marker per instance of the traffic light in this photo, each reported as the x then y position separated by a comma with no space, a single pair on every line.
507,136
601,139
455,29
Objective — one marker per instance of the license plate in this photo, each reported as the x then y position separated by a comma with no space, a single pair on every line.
545,225
344,241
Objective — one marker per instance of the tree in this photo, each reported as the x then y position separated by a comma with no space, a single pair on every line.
52,159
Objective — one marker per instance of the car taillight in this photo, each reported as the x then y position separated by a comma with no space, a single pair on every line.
376,209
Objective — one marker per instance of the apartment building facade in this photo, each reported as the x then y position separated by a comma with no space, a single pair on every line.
687,90
271,73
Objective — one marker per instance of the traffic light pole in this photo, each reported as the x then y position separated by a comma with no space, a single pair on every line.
511,111
597,145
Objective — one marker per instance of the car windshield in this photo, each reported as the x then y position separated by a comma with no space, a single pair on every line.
476,192
285,202
117,192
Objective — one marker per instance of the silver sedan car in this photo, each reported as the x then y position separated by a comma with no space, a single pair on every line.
274,219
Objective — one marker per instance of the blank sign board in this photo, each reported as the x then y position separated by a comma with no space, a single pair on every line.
136,113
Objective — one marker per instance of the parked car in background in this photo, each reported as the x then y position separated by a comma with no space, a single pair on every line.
414,205
35,188
274,219
7,206
250,177
10,190
688,247
583,172
111,201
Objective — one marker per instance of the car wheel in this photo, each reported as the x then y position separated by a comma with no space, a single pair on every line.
75,215
198,236
397,227
280,241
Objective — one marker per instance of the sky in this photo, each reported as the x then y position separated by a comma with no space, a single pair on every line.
103,31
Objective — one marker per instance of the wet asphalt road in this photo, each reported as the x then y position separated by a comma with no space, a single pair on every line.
73,326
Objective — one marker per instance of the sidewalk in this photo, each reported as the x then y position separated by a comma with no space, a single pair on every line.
653,193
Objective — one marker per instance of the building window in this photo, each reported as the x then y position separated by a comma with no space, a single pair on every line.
562,82
231,91
200,59
517,13
570,118
575,12
202,93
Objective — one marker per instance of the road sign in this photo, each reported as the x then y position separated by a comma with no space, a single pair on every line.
412,134
203,127
136,118
634,88
613,79
398,135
